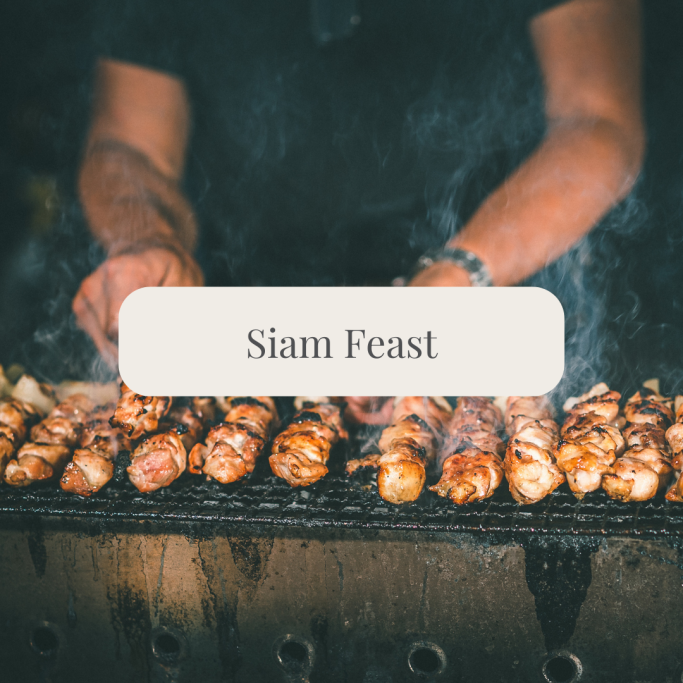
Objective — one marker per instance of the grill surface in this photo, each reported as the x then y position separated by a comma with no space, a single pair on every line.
339,502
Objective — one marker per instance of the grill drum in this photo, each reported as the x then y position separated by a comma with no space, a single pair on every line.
257,581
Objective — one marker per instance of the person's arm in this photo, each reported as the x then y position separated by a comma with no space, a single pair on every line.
589,52
129,186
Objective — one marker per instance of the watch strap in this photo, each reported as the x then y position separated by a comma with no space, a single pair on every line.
478,273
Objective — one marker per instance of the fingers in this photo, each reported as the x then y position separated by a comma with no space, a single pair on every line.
91,316
98,301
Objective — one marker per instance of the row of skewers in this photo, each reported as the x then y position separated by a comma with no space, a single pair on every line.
632,453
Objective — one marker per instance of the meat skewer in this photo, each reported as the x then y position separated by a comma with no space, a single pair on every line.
51,445
674,437
161,458
111,429
158,461
92,465
645,468
530,466
408,447
232,447
16,418
591,439
300,453
472,468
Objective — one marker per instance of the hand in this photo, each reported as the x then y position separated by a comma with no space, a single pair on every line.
99,298
441,274
369,410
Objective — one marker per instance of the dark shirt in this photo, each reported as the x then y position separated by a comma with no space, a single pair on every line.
341,163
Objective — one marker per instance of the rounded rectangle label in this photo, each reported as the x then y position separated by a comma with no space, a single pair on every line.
338,341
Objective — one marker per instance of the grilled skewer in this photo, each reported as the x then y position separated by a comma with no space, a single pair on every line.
233,446
52,442
530,466
300,452
16,418
470,460
645,468
92,465
591,439
408,447
158,461
161,458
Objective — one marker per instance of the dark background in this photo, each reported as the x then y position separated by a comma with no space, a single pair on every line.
46,59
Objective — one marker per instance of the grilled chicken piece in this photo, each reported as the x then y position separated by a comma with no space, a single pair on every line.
137,415
258,413
469,475
645,468
36,462
57,430
370,460
530,465
411,428
649,407
409,445
471,467
157,462
87,472
475,412
402,471
233,446
188,425
523,409
674,437
636,480
436,411
675,492
7,451
16,418
64,424
229,454
300,452
75,408
99,435
472,436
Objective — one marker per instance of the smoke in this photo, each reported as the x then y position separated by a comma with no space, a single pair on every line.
341,165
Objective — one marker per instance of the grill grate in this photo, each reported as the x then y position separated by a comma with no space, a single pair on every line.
338,502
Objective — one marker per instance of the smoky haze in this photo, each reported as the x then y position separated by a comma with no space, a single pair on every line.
410,168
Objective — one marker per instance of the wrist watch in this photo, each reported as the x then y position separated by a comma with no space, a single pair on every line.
478,273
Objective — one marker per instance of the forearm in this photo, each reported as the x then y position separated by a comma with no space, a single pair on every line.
580,171
128,203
